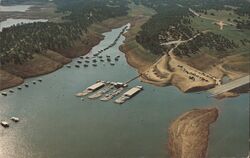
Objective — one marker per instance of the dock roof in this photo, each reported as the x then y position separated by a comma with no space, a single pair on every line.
95,86
132,91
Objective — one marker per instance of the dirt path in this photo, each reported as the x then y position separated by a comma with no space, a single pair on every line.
217,21
170,70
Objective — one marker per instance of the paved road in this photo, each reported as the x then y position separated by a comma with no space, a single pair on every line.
230,85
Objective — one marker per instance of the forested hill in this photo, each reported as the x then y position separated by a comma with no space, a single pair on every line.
19,43
173,21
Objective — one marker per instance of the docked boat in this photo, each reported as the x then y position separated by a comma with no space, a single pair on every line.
4,93
87,57
106,97
68,66
40,80
26,85
111,95
81,57
77,66
95,95
102,60
129,94
112,64
94,64
121,99
79,61
5,124
101,92
34,82
85,65
108,59
15,119
86,61
11,91
19,88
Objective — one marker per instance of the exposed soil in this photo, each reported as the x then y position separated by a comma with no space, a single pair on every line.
188,135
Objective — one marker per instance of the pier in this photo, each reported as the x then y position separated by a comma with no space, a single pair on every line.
132,79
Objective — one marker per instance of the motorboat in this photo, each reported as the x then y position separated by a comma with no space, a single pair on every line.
15,119
4,93
5,124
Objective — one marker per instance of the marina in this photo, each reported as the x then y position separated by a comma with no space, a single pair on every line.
108,90
94,128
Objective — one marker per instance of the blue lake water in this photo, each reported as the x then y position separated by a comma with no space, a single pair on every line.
56,124
14,8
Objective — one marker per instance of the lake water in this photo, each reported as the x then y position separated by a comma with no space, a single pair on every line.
10,22
14,8
56,124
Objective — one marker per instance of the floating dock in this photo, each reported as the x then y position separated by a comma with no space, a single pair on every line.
129,94
91,89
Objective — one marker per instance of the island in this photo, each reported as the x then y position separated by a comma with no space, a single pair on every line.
188,135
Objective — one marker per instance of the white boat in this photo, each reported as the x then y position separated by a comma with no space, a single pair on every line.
15,119
96,95
84,93
129,94
4,93
100,93
5,124
121,99
106,97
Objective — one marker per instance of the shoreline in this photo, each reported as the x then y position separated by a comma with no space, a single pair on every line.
188,135
162,71
13,75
